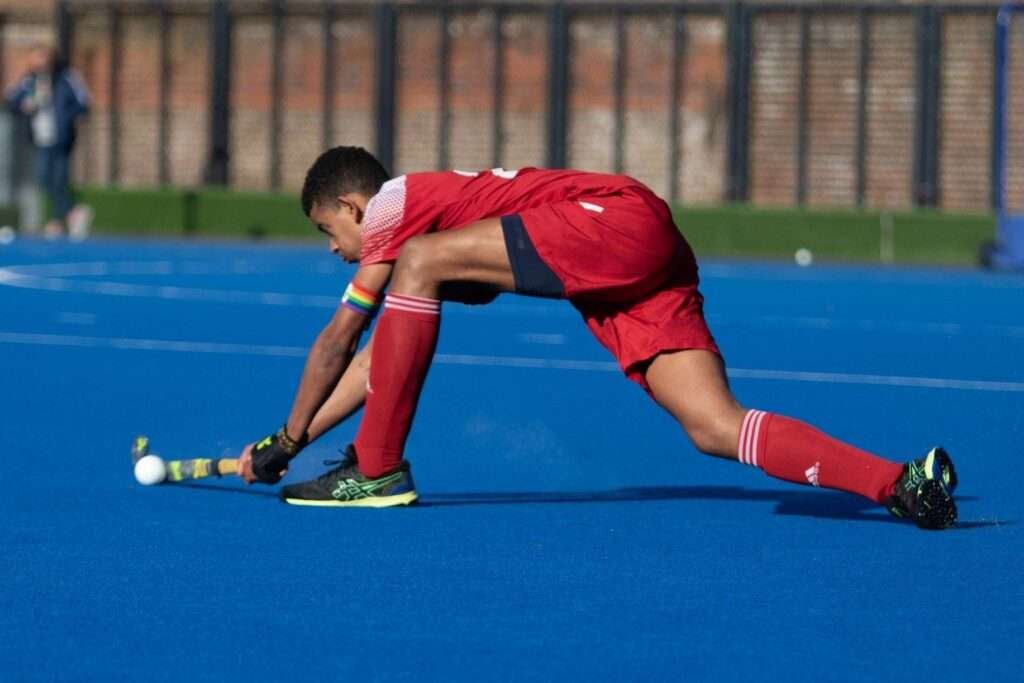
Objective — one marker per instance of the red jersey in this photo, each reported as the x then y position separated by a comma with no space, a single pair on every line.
419,203
610,241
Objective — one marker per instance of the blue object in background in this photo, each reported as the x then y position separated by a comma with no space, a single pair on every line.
1007,252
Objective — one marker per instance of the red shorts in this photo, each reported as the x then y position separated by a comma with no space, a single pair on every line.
627,269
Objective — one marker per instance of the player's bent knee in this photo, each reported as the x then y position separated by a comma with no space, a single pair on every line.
415,260
712,437
703,440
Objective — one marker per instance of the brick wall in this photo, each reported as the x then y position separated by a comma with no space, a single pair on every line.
833,60
834,51
774,80
890,112
648,69
965,135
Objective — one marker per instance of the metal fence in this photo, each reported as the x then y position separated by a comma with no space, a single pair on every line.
750,41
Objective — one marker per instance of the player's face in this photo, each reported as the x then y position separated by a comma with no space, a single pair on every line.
39,59
341,225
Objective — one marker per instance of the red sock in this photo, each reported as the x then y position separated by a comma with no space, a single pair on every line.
403,346
788,449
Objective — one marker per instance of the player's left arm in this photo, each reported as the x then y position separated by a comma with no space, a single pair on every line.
17,96
347,397
326,363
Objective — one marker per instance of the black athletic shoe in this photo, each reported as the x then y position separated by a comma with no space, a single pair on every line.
346,486
924,492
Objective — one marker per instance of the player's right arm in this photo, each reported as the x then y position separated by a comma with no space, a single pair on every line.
326,362
347,397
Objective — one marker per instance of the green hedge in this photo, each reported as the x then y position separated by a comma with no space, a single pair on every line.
845,235
717,231
141,212
8,216
204,212
250,214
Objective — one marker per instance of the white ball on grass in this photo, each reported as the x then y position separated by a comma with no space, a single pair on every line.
149,470
804,257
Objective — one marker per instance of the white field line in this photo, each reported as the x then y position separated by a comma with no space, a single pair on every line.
518,362
21,277
53,277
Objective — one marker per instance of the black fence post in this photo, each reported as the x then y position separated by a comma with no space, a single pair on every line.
163,87
443,91
926,190
218,164
386,29
619,88
276,56
802,107
863,74
1000,57
65,28
497,111
327,94
675,89
558,86
738,46
114,141
934,113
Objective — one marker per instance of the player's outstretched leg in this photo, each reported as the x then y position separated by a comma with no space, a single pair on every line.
692,386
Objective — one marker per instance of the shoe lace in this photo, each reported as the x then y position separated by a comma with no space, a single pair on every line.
340,464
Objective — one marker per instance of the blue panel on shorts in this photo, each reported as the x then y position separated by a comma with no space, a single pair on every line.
533,276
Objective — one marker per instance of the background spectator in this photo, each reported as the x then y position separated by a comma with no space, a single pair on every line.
54,97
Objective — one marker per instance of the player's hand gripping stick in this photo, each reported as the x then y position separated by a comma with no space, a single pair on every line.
270,457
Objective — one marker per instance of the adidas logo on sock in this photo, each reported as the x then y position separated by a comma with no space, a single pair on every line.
812,474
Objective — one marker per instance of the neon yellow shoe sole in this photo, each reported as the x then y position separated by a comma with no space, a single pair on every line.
407,498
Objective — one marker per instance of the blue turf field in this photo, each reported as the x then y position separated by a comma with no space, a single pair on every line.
568,530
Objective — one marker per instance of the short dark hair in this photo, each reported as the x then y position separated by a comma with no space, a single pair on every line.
341,170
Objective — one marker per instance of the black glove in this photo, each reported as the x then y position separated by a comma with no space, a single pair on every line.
272,455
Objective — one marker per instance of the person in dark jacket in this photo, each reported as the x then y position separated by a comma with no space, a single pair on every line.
53,97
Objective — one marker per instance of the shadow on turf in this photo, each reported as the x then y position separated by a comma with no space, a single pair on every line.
263,492
799,503
823,504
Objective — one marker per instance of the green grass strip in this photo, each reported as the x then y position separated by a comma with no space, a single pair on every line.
728,231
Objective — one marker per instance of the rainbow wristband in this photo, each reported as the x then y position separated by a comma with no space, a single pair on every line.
360,300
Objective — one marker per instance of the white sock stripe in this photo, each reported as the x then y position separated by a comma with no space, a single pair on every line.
411,309
432,306
744,436
754,459
416,307
413,299
750,432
